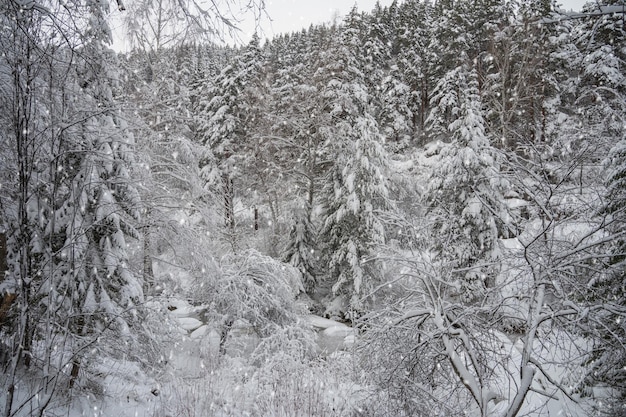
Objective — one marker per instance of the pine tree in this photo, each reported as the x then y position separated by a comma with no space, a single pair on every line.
451,41
226,111
607,361
301,250
104,204
466,190
356,190
601,97
602,85
229,113
525,78
396,117
75,202
374,55
352,229
303,128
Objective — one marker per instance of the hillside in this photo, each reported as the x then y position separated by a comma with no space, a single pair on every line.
416,211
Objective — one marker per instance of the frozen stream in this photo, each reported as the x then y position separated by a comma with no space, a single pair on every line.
241,338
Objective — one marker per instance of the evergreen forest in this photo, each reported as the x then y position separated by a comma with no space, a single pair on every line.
415,210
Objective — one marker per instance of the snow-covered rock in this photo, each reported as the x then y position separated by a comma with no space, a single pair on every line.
320,323
332,335
180,308
213,341
189,323
349,341
334,338
200,332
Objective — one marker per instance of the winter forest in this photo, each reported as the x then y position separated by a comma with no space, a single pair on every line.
416,210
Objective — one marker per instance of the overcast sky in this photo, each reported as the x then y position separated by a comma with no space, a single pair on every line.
293,15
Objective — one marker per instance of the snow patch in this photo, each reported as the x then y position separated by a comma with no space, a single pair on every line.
189,323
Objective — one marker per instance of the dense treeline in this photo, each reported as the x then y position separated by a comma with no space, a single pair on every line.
447,177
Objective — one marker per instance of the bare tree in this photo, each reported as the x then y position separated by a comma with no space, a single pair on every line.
524,341
156,24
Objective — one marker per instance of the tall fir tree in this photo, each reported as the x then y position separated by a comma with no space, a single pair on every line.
607,360
229,112
75,202
356,189
466,190
601,100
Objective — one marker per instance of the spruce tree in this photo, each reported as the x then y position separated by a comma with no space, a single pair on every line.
607,361
601,98
395,117
230,109
466,190
104,204
356,189
301,250
75,205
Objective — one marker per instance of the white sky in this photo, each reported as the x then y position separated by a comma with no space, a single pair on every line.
575,5
293,15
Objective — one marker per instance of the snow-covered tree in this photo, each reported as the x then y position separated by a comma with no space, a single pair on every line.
527,78
226,110
607,360
466,189
356,188
448,98
415,59
230,111
157,24
451,40
374,54
396,117
105,202
74,205
352,228
301,251
615,197
601,82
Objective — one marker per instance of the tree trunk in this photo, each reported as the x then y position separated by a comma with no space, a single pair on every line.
256,218
28,343
148,272
229,209
9,401
7,298
74,372
3,255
